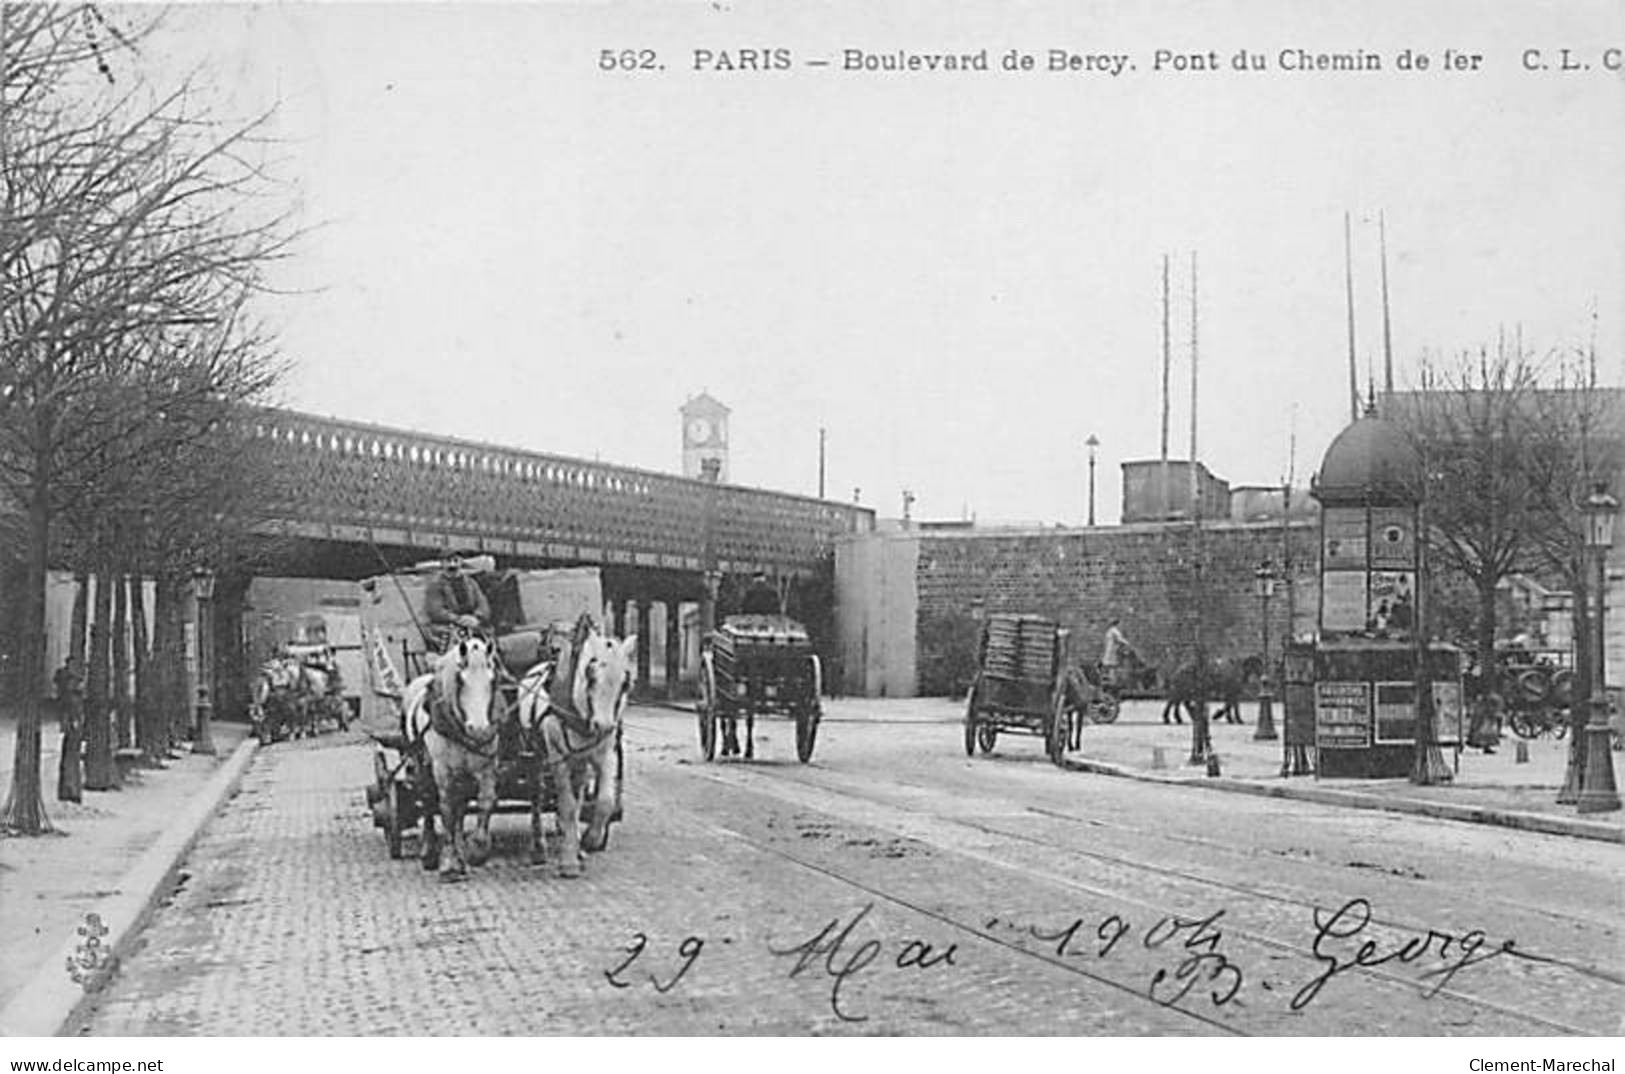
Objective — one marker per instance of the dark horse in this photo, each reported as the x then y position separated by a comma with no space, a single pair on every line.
1224,681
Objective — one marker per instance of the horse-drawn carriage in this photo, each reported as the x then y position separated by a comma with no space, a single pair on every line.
1538,688
755,665
1023,687
537,684
294,692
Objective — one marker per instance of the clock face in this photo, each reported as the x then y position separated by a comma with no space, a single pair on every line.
699,430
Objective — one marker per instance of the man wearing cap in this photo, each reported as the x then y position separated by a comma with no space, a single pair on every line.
761,598
454,602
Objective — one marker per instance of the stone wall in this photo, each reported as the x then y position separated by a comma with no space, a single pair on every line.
1150,575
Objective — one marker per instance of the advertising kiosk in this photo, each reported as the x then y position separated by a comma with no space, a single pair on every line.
1376,678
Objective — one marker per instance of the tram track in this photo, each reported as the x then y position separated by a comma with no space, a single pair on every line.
861,808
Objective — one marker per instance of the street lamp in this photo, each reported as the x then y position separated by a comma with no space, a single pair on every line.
1598,793
203,589
1092,443
1264,586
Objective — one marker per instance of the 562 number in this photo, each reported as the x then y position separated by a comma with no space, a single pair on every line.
628,59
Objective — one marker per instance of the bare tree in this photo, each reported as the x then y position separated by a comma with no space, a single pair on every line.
1577,443
1470,424
130,245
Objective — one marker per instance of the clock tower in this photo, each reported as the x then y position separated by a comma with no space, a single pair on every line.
705,435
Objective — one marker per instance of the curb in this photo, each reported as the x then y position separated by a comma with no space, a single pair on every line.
51,1003
1533,822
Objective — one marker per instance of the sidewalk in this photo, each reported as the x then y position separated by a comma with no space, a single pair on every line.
114,857
1486,788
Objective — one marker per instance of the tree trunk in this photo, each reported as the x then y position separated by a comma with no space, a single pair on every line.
148,733
24,809
175,703
1489,679
1580,694
162,699
70,769
121,662
101,773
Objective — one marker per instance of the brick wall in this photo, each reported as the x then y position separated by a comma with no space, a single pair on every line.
1144,573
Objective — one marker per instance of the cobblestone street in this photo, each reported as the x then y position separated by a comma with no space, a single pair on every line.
893,886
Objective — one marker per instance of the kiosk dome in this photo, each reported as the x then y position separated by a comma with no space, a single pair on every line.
1370,462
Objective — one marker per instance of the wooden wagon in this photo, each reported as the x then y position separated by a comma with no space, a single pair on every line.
755,665
403,792
1021,686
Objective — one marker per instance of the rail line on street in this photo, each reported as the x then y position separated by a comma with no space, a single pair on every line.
812,789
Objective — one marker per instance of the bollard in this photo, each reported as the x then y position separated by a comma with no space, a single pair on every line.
1159,759
1212,764
1520,754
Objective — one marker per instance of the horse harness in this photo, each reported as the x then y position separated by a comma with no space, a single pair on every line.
447,720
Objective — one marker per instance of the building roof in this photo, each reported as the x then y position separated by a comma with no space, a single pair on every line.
704,403
1370,461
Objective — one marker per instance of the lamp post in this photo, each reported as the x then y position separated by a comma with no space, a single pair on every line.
203,589
1264,586
1092,443
1598,792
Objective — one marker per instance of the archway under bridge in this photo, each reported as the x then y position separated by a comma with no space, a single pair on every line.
661,605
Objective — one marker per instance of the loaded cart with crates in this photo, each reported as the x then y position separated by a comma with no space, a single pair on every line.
546,605
1021,686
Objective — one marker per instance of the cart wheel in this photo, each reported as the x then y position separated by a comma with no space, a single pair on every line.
1522,725
707,709
806,733
987,736
1106,709
970,722
809,713
1059,731
1563,688
1534,686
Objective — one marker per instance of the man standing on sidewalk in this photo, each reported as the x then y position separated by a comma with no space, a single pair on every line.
1112,656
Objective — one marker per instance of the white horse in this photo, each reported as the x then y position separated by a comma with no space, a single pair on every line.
450,710
274,700
580,734
320,690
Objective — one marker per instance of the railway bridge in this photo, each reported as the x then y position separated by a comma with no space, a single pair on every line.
349,500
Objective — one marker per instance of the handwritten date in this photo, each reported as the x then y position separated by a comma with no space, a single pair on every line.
831,941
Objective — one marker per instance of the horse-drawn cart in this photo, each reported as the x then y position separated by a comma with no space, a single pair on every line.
403,794
294,692
755,665
1021,686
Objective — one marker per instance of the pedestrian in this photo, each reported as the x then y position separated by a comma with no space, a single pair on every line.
453,604
1114,653
70,691
1485,732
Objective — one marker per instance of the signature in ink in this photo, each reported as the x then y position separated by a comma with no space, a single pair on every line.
689,950
1203,939
830,942
1351,919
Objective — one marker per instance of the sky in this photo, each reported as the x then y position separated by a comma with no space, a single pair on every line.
957,274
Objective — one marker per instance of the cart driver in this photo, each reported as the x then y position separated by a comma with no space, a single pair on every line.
1114,655
761,598
454,602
